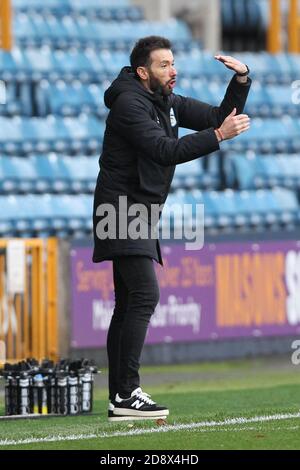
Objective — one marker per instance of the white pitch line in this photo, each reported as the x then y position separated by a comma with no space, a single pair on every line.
159,429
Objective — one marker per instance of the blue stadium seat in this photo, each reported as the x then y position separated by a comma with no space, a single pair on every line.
192,175
13,104
112,62
61,99
241,169
188,175
29,135
171,222
74,65
224,206
52,174
10,135
254,209
287,204
41,63
17,175
9,212
81,173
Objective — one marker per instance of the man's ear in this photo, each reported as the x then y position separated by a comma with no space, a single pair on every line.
142,73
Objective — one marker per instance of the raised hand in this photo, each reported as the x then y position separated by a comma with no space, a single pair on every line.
232,63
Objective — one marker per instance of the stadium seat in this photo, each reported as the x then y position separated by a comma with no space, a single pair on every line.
29,135
191,175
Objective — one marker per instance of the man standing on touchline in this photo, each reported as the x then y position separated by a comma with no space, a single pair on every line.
141,149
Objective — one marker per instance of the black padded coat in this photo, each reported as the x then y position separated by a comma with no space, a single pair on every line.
141,150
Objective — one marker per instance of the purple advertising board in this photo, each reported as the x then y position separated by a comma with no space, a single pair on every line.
224,290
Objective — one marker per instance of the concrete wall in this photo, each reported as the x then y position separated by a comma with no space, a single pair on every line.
184,353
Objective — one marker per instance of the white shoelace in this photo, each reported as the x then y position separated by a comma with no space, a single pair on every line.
144,396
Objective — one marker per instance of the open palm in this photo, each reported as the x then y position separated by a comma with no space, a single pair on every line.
232,63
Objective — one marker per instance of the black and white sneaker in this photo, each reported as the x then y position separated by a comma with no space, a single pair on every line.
112,417
138,406
110,410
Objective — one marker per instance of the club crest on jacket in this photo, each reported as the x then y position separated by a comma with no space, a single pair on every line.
172,118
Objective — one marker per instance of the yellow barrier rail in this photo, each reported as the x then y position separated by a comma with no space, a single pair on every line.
274,39
274,32
28,314
294,27
5,25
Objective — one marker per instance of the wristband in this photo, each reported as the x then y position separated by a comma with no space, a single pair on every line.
220,134
244,73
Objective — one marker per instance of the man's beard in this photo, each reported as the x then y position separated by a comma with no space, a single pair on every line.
156,87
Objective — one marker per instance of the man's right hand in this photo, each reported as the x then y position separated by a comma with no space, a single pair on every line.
234,125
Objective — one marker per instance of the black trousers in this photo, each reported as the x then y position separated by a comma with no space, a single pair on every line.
136,296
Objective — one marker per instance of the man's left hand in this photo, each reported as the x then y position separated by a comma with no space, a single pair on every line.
232,63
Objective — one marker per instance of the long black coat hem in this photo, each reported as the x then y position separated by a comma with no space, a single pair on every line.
133,252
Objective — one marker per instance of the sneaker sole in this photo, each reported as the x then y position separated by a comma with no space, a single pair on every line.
134,418
144,414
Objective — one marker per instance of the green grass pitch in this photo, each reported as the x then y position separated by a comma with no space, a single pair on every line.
248,404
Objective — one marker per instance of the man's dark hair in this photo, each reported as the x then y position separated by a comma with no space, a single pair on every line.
140,55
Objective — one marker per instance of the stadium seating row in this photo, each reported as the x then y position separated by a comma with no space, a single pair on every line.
68,53
67,7
262,171
36,31
24,135
266,136
47,214
71,99
48,173
105,13
65,174
90,65
237,15
21,214
241,209
28,135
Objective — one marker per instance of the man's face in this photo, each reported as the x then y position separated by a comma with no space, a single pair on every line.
161,72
